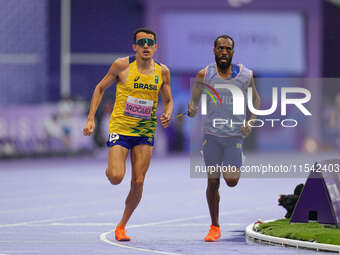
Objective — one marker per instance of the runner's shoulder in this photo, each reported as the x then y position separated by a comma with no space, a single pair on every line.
201,74
121,63
165,69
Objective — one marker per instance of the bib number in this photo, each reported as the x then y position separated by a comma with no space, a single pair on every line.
138,108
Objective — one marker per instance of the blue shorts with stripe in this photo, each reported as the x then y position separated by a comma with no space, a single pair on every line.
226,151
128,141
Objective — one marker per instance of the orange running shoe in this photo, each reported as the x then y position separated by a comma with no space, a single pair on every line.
213,235
120,234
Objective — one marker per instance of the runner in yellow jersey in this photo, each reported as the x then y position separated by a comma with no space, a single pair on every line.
133,120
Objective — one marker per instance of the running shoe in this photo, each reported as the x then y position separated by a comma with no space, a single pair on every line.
120,234
213,235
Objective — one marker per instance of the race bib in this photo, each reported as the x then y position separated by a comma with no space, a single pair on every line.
138,108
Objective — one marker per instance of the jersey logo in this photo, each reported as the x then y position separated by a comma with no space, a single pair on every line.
137,78
113,137
144,86
209,93
156,79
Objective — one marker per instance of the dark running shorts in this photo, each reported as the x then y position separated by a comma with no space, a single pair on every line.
128,141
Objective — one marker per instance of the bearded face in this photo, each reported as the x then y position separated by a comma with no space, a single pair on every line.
224,51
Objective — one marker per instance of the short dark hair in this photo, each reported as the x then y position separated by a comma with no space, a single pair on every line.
225,37
145,30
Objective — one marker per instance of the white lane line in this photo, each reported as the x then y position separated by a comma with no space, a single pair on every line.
85,224
81,233
72,204
102,224
104,239
102,251
20,251
186,219
198,225
21,198
28,223
36,221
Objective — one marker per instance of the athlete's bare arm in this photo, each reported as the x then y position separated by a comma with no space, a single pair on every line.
168,104
115,73
196,94
246,130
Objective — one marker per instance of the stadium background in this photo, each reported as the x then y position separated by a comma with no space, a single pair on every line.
54,197
53,53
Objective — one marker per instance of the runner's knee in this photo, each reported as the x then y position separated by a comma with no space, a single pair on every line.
232,182
232,178
113,177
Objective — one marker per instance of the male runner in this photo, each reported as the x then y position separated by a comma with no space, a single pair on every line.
222,144
133,120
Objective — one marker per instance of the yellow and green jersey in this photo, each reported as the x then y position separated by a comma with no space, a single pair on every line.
134,111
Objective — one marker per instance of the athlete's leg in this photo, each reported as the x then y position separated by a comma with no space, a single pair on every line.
232,160
213,199
213,153
116,164
140,161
